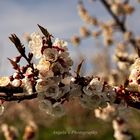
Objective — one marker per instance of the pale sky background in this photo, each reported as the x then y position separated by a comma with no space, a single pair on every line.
58,16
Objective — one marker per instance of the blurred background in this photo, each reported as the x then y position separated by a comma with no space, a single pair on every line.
62,20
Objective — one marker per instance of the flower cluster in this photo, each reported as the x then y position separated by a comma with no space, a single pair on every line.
97,93
120,8
53,72
49,78
85,16
134,78
122,57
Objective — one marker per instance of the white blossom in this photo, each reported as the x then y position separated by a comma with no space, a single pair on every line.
90,102
121,130
134,76
16,82
44,68
66,80
27,85
63,91
119,126
52,91
57,110
41,86
97,84
94,87
44,75
108,113
46,106
60,43
35,45
122,136
57,68
1,109
4,81
50,54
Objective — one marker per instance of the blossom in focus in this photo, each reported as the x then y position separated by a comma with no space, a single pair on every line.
40,86
50,54
134,77
94,87
16,82
75,90
43,66
60,44
52,91
35,45
27,85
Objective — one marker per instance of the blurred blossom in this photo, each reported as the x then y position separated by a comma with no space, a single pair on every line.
75,90
90,102
63,90
30,131
84,32
1,109
75,40
10,132
121,131
4,81
107,114
46,106
66,80
57,110
27,85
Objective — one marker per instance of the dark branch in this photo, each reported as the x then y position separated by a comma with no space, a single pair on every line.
10,90
17,94
121,25
18,97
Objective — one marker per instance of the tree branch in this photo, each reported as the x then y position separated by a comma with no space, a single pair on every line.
10,89
17,94
18,97
121,24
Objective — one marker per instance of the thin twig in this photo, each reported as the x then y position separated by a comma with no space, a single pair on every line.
121,24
